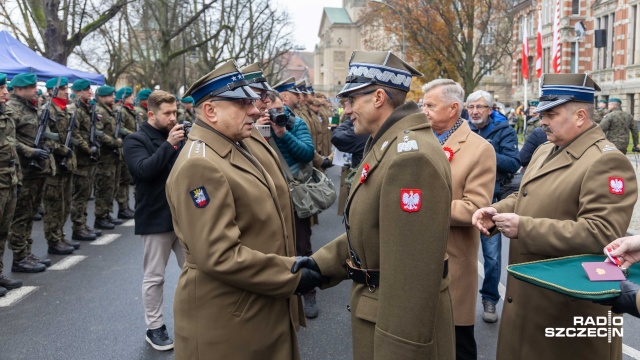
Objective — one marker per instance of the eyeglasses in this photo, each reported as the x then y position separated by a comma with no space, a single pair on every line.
351,97
263,95
479,107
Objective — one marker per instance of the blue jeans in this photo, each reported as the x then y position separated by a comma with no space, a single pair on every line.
491,251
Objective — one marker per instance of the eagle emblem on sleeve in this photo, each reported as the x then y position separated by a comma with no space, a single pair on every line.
410,200
200,197
616,185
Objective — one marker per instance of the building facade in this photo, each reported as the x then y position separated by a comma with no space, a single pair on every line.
614,64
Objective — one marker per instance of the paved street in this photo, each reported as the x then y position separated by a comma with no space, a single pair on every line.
91,307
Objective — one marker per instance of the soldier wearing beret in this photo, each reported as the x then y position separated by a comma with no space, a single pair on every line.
141,109
397,221
128,126
58,188
577,194
26,119
87,154
185,112
226,214
617,124
9,181
601,111
108,170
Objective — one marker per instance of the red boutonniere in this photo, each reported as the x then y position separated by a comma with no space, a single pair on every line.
448,152
365,172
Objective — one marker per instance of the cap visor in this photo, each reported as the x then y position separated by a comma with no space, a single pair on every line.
242,92
349,87
261,86
546,105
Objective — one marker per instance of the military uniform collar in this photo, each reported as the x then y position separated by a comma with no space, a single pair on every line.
103,106
580,144
205,133
21,100
397,114
459,136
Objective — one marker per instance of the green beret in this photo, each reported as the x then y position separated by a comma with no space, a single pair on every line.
615,100
9,86
24,80
72,96
602,101
51,83
80,85
187,100
3,79
39,92
144,94
124,93
105,90
534,103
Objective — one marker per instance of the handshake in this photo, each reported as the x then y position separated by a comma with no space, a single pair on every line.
311,276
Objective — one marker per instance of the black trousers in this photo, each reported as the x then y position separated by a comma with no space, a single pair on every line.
303,236
465,343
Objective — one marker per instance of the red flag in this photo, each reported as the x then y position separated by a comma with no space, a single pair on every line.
539,47
525,52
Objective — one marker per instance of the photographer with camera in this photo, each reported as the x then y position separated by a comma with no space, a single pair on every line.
293,139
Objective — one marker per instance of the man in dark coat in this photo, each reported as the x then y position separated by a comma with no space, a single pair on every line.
150,154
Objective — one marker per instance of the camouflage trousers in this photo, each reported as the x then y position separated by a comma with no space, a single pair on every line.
82,184
57,205
26,207
7,207
106,187
123,187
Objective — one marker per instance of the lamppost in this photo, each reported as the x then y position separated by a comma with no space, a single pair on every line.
404,57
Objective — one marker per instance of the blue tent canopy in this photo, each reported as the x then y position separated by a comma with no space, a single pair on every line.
17,58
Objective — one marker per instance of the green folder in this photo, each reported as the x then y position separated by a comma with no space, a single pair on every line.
566,276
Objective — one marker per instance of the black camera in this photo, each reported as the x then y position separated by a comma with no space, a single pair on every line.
281,118
186,126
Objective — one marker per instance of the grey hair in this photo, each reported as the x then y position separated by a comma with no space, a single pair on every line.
451,91
481,94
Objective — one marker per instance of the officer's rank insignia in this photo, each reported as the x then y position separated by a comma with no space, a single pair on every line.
616,185
407,145
365,173
410,200
609,148
384,145
200,197
449,152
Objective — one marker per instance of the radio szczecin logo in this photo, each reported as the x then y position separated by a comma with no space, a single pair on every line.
589,327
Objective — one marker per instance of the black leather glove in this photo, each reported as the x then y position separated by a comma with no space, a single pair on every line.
40,154
326,163
311,276
635,149
626,302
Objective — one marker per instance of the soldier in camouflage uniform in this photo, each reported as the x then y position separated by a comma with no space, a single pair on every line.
141,109
9,181
128,126
185,112
601,111
617,124
58,187
533,121
87,158
25,117
108,171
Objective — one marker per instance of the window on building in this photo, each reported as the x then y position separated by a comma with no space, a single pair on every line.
573,57
575,7
633,39
546,60
487,38
610,33
519,72
485,64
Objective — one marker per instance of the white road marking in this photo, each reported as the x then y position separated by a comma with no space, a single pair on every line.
129,223
13,296
626,349
105,239
67,262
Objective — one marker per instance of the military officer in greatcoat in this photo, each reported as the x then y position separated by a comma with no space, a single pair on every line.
397,221
235,296
576,196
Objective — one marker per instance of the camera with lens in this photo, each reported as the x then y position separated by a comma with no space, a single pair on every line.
186,126
281,119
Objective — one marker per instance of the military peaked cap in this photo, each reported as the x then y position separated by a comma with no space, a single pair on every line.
105,90
24,80
51,83
144,94
558,89
301,85
80,84
254,76
225,81
378,68
309,88
287,85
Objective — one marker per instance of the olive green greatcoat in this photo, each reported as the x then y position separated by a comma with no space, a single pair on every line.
473,176
409,315
566,207
234,298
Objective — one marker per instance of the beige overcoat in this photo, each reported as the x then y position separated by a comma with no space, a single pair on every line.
473,177
567,206
409,315
234,298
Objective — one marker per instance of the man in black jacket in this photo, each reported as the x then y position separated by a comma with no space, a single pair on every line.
150,154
